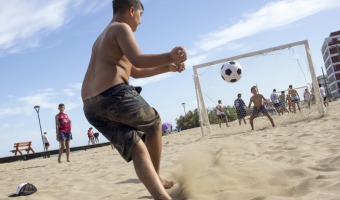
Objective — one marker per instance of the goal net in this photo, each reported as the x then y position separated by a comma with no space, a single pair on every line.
273,68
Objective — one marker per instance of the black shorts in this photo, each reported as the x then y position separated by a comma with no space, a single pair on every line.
122,116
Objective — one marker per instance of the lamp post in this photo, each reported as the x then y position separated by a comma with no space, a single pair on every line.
183,104
37,108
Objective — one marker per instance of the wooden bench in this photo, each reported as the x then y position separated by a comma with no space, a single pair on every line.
22,146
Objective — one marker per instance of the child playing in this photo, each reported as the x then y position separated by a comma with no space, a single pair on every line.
258,107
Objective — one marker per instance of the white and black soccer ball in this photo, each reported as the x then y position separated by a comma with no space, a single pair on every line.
231,71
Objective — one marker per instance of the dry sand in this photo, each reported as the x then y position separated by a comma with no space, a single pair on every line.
295,160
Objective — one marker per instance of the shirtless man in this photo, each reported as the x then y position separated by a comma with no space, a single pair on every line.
294,98
114,107
258,107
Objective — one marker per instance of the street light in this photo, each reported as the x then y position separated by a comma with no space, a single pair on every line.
37,108
183,104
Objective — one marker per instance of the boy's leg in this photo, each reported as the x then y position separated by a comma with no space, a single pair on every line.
251,121
61,149
145,169
153,143
270,118
226,120
67,145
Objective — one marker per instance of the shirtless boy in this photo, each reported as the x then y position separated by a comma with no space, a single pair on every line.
294,98
114,107
258,107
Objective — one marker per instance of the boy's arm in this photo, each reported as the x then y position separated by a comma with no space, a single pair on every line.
57,126
147,72
128,44
250,101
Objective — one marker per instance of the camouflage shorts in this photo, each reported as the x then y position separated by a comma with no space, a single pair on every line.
122,116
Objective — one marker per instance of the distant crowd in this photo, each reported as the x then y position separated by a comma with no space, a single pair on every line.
277,104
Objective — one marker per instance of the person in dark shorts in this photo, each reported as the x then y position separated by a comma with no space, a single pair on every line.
63,131
220,114
258,107
294,98
240,107
114,107
96,139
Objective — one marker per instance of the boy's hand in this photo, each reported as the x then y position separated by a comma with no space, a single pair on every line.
177,67
178,54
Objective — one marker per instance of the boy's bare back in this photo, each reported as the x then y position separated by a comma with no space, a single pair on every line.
108,65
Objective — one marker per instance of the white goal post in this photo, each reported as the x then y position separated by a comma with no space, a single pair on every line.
294,58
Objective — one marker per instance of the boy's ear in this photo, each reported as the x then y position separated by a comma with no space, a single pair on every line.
131,11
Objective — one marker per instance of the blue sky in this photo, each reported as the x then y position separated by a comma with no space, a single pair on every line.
45,48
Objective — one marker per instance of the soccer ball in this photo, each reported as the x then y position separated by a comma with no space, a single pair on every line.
231,71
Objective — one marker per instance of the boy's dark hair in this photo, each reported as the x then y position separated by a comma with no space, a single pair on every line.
123,5
239,94
61,105
251,89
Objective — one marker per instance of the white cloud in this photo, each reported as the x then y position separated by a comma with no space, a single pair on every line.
272,15
68,92
145,81
76,86
25,23
47,99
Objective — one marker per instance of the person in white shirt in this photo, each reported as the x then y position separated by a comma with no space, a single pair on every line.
323,95
46,141
307,97
220,114
275,99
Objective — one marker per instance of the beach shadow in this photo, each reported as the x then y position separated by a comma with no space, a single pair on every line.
135,181
31,167
145,197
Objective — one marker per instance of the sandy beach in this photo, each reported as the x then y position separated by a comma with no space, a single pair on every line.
298,159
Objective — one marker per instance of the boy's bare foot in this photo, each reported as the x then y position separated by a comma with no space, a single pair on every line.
59,161
167,184
68,161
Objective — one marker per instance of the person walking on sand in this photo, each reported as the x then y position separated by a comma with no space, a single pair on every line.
220,114
275,99
90,136
241,110
307,97
258,107
323,95
96,139
114,107
46,141
63,132
46,144
282,101
294,98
